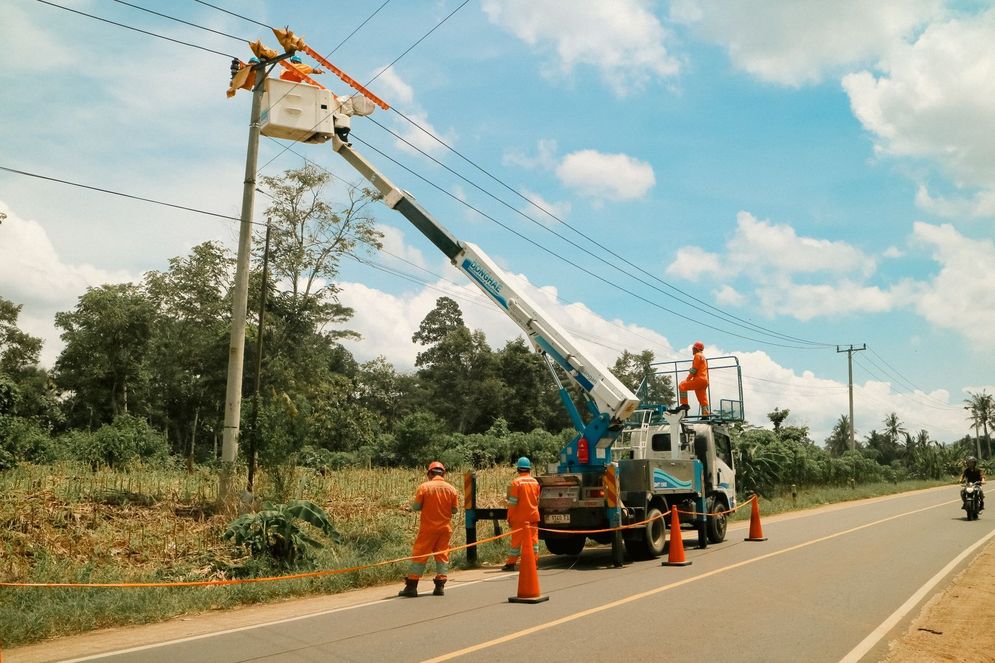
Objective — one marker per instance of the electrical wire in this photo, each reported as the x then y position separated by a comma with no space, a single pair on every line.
601,246
125,195
180,20
244,18
129,27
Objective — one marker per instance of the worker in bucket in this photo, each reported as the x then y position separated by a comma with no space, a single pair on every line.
437,502
299,71
523,512
696,381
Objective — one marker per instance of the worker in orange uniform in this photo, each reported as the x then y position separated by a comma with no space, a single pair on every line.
523,512
697,381
299,71
437,501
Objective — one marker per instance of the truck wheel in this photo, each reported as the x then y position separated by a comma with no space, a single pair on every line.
717,525
648,541
565,545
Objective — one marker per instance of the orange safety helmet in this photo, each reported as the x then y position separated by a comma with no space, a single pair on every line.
698,346
437,467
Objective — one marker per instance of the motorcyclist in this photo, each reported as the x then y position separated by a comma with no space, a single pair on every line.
972,474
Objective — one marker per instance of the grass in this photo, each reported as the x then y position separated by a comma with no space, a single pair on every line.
64,523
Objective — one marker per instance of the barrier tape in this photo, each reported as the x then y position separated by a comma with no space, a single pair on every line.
643,522
245,581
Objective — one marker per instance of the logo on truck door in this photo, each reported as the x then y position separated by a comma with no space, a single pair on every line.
663,480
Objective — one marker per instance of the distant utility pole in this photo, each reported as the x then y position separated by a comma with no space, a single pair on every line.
236,350
849,364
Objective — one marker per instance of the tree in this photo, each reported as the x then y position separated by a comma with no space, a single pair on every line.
838,441
309,239
636,372
457,370
531,399
107,338
981,412
777,417
18,350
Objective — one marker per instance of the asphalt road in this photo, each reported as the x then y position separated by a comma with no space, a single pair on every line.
831,584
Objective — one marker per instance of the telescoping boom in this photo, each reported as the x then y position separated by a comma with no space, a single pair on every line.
608,395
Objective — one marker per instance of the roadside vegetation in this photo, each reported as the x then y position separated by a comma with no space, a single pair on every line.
109,459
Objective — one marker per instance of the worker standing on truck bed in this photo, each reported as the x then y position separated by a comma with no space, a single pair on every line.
697,381
437,501
523,512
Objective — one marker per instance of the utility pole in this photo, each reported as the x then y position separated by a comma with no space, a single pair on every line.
236,350
254,438
849,364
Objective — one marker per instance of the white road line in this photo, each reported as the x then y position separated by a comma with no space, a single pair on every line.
875,636
248,628
663,588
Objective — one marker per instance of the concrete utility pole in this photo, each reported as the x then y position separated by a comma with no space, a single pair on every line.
849,363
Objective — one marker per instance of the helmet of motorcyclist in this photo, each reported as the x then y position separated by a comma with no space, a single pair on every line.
523,464
698,346
971,461
435,467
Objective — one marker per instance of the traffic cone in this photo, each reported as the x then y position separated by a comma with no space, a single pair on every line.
756,531
528,575
675,556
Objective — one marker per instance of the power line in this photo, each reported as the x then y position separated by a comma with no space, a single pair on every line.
579,232
380,73
124,195
180,20
244,18
129,27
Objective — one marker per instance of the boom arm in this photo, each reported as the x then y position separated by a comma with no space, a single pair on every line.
607,393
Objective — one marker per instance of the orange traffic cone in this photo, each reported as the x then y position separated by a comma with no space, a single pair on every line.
756,531
528,576
675,557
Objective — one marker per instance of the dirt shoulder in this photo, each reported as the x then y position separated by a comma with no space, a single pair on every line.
956,624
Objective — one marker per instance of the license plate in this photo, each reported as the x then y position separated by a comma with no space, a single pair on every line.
558,518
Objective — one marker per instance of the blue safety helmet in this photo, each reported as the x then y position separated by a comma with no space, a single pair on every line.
253,60
295,59
523,464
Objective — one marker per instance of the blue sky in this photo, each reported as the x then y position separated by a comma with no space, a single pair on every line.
820,171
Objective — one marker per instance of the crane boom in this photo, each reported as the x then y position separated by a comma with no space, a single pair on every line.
607,392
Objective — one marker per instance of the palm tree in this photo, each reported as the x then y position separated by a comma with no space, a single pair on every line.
894,428
981,412
838,441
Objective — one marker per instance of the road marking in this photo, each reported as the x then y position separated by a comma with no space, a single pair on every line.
877,634
636,597
212,634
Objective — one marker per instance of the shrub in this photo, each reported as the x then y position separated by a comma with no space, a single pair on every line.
273,532
116,444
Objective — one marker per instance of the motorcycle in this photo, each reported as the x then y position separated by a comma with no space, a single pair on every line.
971,494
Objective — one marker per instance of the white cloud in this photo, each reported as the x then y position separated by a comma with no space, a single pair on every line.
693,263
393,242
961,297
803,41
603,176
545,157
417,134
34,275
729,296
558,210
892,252
981,204
805,302
622,38
934,98
766,251
759,246
394,87
21,36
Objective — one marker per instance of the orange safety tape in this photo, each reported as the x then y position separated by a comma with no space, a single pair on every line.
642,522
244,581
346,78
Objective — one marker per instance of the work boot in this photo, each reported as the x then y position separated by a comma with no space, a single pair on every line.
682,407
439,590
510,566
410,588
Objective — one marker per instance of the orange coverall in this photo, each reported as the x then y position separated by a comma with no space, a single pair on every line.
697,381
523,509
298,69
437,501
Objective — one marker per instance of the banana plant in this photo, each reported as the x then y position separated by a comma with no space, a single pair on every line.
275,531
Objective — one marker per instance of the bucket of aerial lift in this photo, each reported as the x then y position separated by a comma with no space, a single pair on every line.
297,111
